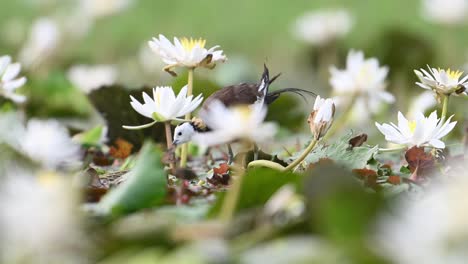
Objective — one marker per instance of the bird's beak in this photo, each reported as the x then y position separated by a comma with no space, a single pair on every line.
175,142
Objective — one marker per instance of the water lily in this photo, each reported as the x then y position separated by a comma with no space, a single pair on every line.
49,143
441,81
362,78
323,26
185,52
9,80
430,228
102,8
89,78
164,106
448,12
35,211
235,123
321,117
423,131
42,43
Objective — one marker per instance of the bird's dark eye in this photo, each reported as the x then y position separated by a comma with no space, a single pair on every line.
179,134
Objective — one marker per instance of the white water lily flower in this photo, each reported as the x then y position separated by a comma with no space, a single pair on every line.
102,8
442,81
35,214
363,78
449,12
235,123
186,52
48,142
164,106
42,43
431,228
89,78
421,104
323,26
321,117
9,80
423,131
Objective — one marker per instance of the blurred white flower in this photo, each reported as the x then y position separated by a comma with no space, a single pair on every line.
363,78
321,117
48,142
423,131
147,61
431,229
42,42
186,52
230,124
323,26
102,8
164,105
445,11
89,78
39,220
9,80
442,81
421,104
285,203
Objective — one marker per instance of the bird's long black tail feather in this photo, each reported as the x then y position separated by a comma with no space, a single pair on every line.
271,97
264,81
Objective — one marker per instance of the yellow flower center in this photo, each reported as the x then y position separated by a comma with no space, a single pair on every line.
454,74
157,98
189,44
412,126
243,112
47,178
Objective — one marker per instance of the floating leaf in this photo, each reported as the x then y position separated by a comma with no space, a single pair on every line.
145,185
341,153
91,137
113,103
258,185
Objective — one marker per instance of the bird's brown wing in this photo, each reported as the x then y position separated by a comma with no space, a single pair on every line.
244,93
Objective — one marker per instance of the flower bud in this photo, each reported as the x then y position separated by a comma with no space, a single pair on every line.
321,118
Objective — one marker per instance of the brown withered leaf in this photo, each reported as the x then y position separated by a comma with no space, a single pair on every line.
121,149
185,174
357,141
368,176
220,175
95,189
394,179
420,162
101,159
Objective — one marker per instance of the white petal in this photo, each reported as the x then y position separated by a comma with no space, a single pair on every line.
4,62
11,72
436,143
13,85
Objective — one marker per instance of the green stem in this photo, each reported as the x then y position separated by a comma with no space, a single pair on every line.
344,117
444,107
266,163
385,150
188,116
303,155
232,196
167,126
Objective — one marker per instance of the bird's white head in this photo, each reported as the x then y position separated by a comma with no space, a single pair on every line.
183,133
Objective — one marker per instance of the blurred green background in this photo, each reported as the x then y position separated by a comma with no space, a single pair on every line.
250,33
260,30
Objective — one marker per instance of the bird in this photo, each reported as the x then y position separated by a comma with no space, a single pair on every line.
233,95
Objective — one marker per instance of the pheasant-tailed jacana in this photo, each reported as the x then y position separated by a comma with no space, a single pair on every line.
240,94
